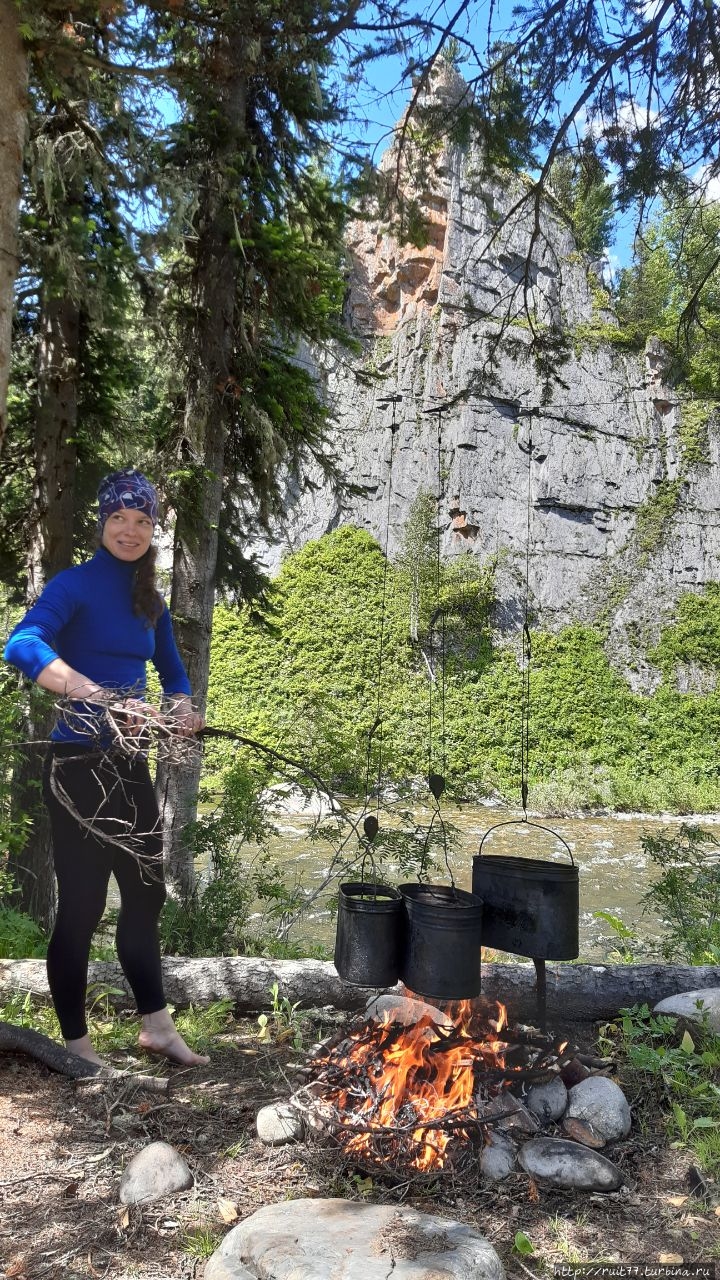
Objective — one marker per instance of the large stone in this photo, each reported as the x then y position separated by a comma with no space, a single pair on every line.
547,1101
685,1005
156,1171
581,1131
498,1157
508,1113
329,1239
278,1123
560,1163
602,1104
406,1010
288,798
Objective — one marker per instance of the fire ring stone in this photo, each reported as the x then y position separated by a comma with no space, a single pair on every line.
330,1238
560,1163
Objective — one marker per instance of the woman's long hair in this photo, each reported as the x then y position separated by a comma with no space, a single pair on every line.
147,601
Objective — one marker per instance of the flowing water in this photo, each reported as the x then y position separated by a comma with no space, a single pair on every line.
614,872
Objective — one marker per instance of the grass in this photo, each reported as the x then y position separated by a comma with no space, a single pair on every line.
114,1032
237,1148
676,1067
707,1150
560,1232
202,1242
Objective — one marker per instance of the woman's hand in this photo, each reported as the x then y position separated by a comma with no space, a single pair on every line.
183,717
190,722
133,715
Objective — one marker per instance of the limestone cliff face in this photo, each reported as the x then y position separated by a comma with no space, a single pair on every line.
489,349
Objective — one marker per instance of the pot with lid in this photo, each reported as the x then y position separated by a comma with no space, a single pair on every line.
532,907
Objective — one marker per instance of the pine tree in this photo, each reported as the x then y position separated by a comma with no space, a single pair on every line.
672,291
74,284
579,184
13,79
259,272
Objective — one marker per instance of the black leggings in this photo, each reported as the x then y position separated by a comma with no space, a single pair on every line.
116,794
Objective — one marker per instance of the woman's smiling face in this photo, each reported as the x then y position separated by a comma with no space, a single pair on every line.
127,533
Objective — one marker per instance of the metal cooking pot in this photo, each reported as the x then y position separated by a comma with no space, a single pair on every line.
368,935
532,908
441,953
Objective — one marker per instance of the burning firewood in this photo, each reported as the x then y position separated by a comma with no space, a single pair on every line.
420,1097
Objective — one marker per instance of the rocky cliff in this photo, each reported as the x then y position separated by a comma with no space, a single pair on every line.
490,351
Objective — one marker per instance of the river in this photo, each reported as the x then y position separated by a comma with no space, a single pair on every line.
614,872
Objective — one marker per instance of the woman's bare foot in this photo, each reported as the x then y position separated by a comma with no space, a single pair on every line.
160,1035
82,1048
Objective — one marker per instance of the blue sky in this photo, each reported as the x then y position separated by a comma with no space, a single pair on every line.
379,101
379,98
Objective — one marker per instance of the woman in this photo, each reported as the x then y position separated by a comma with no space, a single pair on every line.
88,638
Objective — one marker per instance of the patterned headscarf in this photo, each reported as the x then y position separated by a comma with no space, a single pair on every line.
126,488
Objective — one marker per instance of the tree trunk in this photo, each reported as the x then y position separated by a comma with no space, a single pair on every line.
32,868
51,547
13,107
53,509
205,429
192,603
575,992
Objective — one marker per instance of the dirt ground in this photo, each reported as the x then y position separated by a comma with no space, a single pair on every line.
63,1147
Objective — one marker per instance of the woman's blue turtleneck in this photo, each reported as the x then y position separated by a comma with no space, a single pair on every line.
85,616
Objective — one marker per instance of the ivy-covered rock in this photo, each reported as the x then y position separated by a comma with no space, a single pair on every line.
308,679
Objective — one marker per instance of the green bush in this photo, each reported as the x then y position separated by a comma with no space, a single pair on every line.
238,874
674,1070
686,896
305,680
20,937
13,824
693,636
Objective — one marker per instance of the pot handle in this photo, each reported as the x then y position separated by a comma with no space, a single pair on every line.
519,822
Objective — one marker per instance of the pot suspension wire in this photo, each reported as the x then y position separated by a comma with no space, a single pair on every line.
540,973
437,756
439,610
530,911
372,822
436,776
526,642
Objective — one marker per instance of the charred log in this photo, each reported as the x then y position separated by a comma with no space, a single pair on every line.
33,1044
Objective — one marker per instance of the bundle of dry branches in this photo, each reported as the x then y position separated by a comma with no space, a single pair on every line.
125,720
117,724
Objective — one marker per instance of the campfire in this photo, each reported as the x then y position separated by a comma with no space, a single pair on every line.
424,1095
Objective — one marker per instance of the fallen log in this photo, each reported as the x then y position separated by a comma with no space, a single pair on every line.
575,992
15,1039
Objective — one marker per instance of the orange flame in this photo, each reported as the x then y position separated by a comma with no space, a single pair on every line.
414,1076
